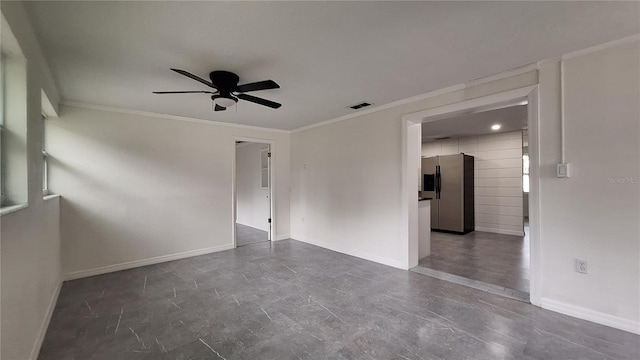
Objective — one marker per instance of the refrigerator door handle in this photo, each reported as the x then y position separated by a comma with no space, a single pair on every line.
438,182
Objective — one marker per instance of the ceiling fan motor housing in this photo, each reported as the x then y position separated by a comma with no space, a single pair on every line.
225,81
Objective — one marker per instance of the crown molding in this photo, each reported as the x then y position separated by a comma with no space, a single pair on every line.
483,80
502,75
168,116
585,51
610,44
383,107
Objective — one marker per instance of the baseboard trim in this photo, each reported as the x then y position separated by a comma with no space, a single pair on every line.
591,315
35,350
356,253
138,263
500,231
282,237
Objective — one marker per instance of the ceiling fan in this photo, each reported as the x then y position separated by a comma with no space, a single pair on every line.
227,91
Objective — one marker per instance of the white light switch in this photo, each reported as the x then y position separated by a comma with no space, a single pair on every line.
562,170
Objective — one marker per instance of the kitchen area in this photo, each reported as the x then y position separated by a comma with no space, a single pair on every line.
472,225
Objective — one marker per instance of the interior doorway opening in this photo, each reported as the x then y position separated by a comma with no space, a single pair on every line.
498,253
475,174
253,193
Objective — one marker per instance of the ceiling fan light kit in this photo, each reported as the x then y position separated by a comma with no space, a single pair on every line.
228,92
224,101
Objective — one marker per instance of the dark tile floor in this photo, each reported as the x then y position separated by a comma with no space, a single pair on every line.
246,235
491,258
290,300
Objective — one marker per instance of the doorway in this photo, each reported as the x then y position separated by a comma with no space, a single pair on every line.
252,217
478,227
500,254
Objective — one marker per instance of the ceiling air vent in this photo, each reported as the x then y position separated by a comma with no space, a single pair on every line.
360,106
443,138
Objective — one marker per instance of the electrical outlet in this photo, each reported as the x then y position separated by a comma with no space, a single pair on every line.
581,266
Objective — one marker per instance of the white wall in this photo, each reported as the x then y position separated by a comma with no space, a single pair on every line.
30,237
252,200
498,177
138,189
347,175
30,276
346,183
594,214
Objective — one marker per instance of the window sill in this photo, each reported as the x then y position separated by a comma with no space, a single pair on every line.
12,208
50,196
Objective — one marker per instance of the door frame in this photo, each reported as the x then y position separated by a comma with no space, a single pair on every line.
234,185
411,155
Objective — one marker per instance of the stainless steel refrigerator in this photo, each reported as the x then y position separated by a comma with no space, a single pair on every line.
449,181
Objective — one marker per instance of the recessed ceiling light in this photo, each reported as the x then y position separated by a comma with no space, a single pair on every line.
496,127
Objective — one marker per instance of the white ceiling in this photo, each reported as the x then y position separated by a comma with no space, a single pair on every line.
325,55
510,119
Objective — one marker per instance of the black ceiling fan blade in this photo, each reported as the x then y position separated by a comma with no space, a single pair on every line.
260,101
196,78
260,85
219,108
183,92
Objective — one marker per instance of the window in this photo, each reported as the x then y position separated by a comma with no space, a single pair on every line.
14,167
45,158
525,173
